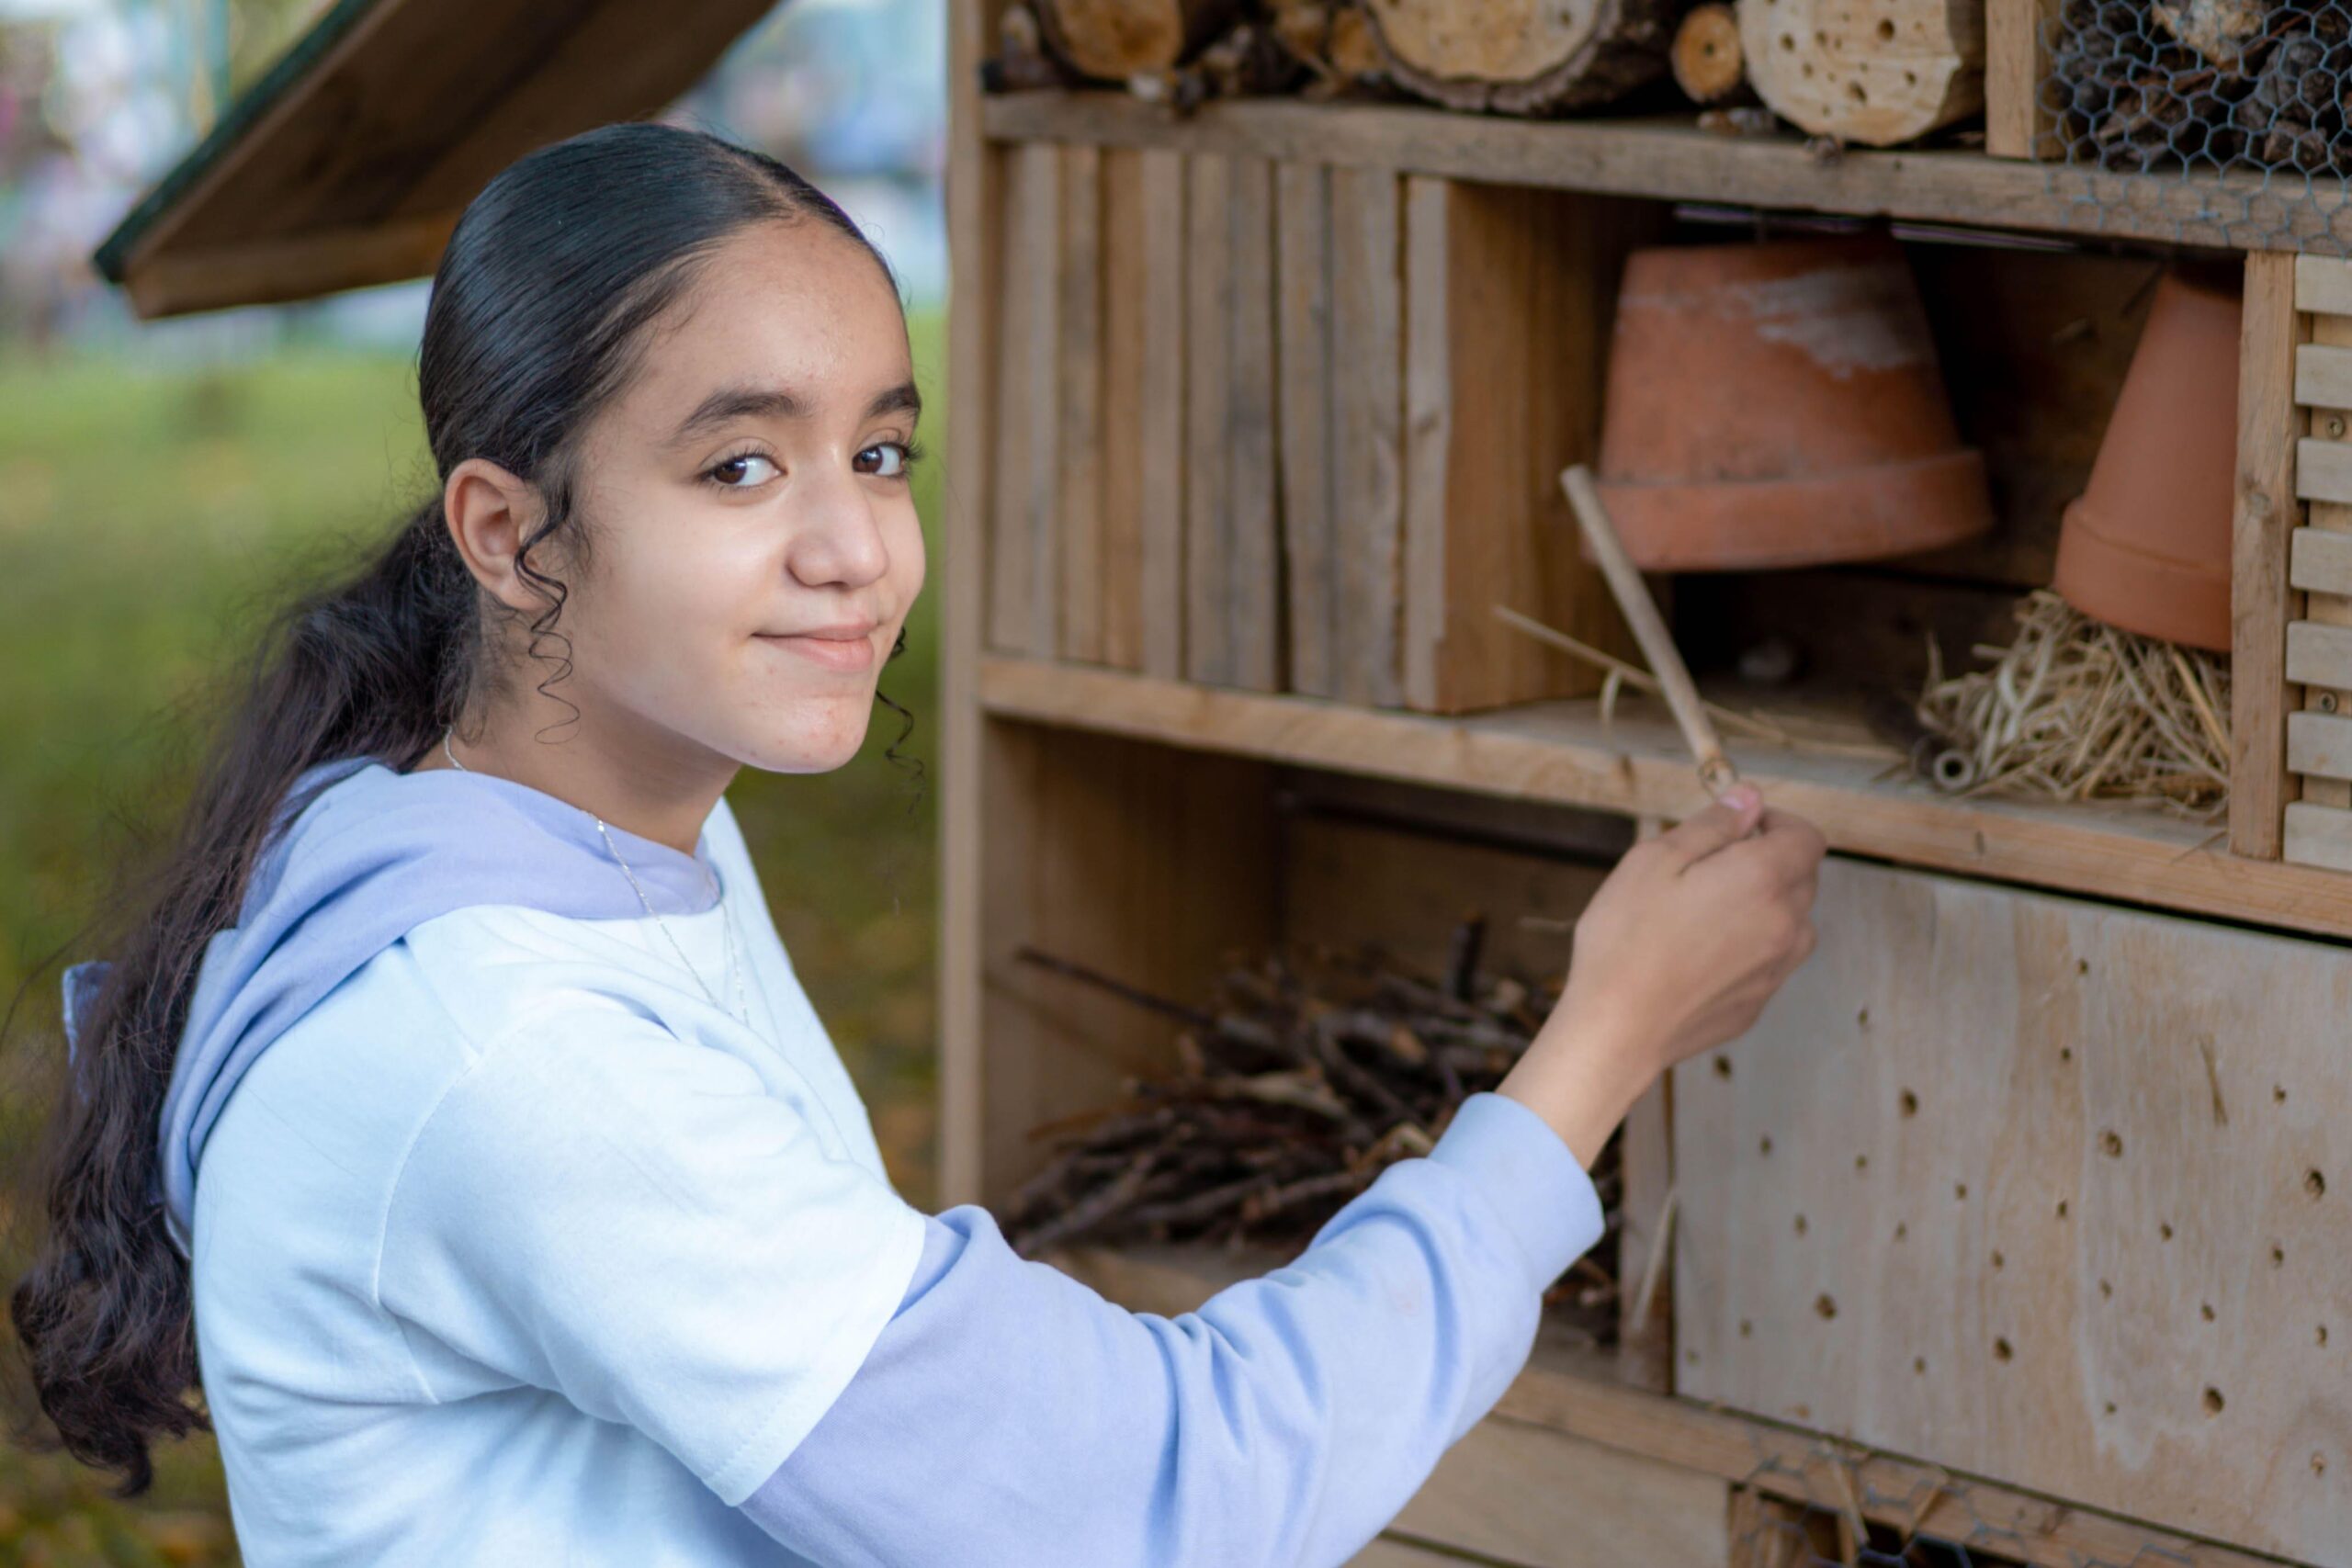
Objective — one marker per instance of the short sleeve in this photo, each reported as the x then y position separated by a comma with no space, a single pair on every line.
626,1218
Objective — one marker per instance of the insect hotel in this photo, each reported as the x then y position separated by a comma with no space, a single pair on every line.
1971,384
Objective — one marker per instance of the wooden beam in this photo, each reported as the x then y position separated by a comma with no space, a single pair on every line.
1669,159
975,204
2019,122
2266,514
1562,752
271,271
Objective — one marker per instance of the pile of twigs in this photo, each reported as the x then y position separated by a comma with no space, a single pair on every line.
2080,710
1305,1078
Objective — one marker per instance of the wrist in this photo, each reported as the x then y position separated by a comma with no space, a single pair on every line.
1581,1075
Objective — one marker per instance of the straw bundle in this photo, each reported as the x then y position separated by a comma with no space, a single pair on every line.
2080,710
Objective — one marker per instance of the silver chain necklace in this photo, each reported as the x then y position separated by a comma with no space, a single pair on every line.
726,916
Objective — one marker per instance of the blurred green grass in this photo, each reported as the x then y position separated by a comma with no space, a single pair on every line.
148,520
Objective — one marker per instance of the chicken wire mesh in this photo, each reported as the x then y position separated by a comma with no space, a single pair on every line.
2242,103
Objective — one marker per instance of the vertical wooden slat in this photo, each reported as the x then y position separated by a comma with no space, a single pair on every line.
1303,263
2019,122
1368,404
975,204
1023,604
2267,513
1125,272
1160,520
1079,388
1208,350
1252,546
1429,436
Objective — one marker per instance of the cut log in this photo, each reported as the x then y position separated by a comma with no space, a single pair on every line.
1113,40
2218,29
1522,56
1331,38
1879,73
1706,58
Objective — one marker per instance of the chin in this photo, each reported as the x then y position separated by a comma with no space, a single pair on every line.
819,749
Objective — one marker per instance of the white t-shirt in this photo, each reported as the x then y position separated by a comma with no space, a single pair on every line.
434,1212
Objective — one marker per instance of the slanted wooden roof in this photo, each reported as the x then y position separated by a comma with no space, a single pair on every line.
349,160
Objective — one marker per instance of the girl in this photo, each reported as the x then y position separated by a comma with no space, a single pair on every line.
454,1109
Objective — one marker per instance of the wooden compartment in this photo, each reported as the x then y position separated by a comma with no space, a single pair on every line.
1285,425
2048,1190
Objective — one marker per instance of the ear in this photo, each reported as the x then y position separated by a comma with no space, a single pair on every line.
489,514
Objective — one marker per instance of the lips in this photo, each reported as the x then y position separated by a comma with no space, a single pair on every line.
835,651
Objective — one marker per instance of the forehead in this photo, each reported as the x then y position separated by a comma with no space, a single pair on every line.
800,305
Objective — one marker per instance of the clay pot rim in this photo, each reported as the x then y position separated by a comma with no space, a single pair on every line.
1919,486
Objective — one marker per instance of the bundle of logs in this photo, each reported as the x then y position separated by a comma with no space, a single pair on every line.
1304,1076
1907,68
2247,82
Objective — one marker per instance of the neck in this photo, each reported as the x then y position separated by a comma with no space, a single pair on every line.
652,782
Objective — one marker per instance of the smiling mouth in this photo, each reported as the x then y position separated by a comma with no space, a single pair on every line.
833,653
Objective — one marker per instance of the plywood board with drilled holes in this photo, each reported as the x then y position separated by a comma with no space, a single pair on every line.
2048,1192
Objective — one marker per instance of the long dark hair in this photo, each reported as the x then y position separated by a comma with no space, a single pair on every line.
537,316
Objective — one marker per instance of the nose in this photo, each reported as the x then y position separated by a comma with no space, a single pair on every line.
836,538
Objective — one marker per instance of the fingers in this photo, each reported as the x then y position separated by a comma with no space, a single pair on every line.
1718,826
1794,846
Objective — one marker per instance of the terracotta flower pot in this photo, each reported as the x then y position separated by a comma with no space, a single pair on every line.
1775,405
2146,546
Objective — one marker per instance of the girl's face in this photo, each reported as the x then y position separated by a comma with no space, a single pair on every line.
753,546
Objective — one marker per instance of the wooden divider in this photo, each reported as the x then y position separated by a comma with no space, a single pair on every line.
2315,797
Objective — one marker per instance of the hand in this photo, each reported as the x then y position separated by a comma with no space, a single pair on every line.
1677,952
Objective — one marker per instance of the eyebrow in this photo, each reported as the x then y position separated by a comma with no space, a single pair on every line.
733,403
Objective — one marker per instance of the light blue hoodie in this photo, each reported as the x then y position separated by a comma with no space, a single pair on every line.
511,1246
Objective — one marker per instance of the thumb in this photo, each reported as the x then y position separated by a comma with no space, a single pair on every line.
1731,819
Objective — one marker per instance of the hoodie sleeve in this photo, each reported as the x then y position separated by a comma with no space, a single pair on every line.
1009,1416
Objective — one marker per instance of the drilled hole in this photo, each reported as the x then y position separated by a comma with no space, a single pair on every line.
1886,29
1723,1066
1999,1261
2278,1257
2106,1291
2061,1208
1802,1227
1902,1231
2205,1309
2315,1184
2212,1402
2110,1144
1747,1329
1825,1305
1920,1365
2001,1352
1764,1145
1861,1162
1960,1191
1910,1103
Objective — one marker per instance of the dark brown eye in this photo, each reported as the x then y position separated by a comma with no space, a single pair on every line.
886,458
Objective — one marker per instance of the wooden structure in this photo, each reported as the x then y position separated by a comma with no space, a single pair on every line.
2017,1221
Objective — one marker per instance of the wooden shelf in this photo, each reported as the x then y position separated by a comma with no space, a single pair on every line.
1671,159
1562,754
1574,1390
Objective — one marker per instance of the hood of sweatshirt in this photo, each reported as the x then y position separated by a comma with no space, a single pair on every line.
358,855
